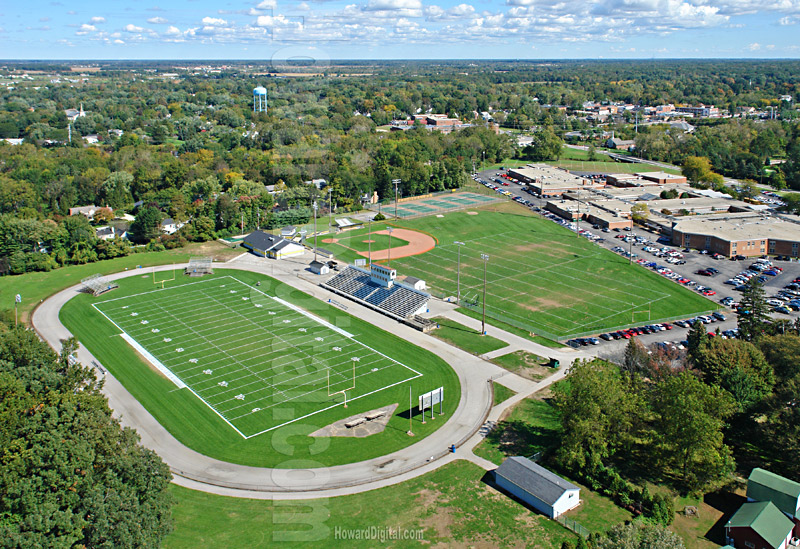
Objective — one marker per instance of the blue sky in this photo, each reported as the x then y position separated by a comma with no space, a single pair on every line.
399,29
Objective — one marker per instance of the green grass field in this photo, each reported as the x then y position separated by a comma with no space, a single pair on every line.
449,507
541,276
357,241
466,338
278,371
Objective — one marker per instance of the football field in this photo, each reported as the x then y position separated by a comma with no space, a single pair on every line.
245,353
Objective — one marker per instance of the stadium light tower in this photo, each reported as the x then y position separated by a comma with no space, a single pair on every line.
458,272
315,230
396,182
389,230
485,258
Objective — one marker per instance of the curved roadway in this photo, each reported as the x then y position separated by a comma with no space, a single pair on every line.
197,471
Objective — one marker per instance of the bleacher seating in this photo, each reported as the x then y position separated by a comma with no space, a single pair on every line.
397,300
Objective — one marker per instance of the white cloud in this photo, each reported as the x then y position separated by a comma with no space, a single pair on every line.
755,46
98,19
786,21
214,21
118,41
157,21
380,5
86,27
267,5
173,31
133,28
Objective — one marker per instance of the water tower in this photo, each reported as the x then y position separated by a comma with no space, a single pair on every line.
260,99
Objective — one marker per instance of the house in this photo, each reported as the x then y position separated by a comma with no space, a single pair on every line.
620,144
108,233
91,139
533,484
169,226
88,211
320,268
268,245
759,525
73,114
763,485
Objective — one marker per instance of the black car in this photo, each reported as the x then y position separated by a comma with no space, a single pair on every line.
607,337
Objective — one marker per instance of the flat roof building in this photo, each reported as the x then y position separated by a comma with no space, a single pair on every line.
548,181
747,236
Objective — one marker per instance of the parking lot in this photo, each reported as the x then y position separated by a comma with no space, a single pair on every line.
679,264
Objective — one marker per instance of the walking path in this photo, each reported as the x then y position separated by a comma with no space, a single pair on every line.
197,471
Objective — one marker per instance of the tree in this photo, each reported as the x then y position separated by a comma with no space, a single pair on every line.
640,535
738,367
696,168
546,145
697,338
690,417
636,360
753,312
146,226
640,212
597,412
70,474
783,354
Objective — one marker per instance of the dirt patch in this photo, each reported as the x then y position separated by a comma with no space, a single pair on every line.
418,243
472,213
367,428
330,240
442,519
368,241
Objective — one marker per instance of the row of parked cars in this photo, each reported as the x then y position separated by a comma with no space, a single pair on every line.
651,329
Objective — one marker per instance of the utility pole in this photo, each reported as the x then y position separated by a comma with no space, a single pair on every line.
396,182
315,230
630,248
369,240
330,210
242,223
458,272
485,258
389,230
483,162
17,301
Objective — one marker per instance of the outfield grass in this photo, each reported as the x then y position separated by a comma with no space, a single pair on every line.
524,364
34,287
451,507
348,244
465,338
194,424
541,276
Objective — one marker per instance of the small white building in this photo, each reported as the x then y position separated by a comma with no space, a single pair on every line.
169,226
273,246
533,484
416,283
320,268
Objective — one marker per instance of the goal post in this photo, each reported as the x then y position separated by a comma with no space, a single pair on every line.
343,392
162,281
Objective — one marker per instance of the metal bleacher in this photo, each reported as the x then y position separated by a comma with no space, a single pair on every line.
398,300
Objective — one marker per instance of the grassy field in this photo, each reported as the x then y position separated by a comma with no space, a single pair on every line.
34,287
198,426
358,241
466,338
541,276
450,507
525,364
532,426
501,393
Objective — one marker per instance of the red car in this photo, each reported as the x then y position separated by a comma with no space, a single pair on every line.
709,293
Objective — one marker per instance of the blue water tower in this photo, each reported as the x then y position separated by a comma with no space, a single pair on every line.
260,99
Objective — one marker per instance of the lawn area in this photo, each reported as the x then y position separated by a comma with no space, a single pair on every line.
465,338
501,393
531,426
596,513
272,360
33,287
568,153
451,507
706,529
609,167
525,364
540,277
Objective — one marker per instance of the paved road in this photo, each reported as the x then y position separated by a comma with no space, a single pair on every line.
197,471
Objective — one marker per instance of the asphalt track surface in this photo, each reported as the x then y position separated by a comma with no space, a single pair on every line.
466,427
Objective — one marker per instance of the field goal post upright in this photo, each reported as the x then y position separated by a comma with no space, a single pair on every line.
634,312
343,392
157,282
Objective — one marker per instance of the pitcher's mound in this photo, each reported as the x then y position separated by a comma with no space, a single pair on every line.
364,428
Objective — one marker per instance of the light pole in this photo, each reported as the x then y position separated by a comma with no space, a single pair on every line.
330,210
396,182
483,161
458,272
389,230
315,230
369,240
485,258
17,301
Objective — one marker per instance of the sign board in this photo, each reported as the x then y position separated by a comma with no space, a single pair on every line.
18,298
428,400
360,262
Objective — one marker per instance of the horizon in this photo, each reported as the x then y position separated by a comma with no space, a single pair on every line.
324,30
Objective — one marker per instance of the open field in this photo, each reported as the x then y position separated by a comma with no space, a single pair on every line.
451,507
245,353
541,276
256,354
466,338
36,286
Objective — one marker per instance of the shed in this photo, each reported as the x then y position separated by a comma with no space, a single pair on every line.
542,489
320,268
289,231
416,283
759,524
